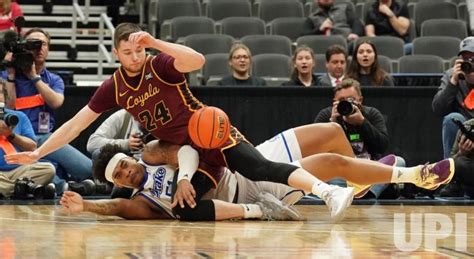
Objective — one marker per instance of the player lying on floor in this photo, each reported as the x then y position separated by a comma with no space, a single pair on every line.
153,183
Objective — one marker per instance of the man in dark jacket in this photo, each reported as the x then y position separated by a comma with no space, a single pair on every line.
364,126
334,19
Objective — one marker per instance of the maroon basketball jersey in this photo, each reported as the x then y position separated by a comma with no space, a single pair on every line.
164,110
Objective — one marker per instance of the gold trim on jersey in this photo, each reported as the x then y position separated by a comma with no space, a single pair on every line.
208,175
141,79
159,78
234,140
116,89
198,103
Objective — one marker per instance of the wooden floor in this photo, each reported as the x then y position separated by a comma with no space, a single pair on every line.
376,231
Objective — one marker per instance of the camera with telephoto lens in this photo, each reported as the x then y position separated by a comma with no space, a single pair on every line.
346,107
21,49
467,66
25,188
10,119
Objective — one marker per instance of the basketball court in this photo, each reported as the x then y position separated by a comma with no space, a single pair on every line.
382,229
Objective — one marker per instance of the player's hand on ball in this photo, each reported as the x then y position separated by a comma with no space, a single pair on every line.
184,192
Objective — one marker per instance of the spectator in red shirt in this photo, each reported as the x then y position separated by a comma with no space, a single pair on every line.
9,11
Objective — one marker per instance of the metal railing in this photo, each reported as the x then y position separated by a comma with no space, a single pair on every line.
103,52
83,16
104,21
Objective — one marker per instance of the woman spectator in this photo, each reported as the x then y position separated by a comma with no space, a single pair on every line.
240,62
303,63
365,68
9,12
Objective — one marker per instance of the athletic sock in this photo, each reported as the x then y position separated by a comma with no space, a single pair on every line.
405,174
252,211
320,187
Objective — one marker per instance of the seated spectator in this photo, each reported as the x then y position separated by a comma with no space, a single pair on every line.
119,129
455,96
336,61
364,126
37,92
303,63
365,68
240,62
334,19
463,155
391,18
18,138
9,12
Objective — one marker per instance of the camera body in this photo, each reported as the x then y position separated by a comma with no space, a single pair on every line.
467,66
10,119
469,133
22,57
25,187
346,107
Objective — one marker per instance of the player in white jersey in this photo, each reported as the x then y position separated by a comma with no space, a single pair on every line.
151,198
290,145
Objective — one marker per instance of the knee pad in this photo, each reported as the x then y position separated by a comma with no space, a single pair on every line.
204,211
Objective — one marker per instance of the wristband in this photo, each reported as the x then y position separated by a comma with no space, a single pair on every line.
11,137
35,79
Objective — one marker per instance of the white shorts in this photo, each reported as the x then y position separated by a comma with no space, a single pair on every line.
284,147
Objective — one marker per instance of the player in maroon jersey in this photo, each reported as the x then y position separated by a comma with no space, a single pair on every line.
153,89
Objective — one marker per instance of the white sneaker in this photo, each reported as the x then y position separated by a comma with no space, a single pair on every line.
273,208
338,199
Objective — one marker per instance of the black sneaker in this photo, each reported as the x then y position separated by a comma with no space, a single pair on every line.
103,188
84,188
49,191
453,189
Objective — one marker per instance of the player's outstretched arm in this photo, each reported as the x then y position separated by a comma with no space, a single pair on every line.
186,59
65,134
137,208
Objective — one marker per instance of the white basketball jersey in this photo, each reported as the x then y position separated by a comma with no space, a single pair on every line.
158,186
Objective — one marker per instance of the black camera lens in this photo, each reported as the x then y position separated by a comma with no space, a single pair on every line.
466,67
345,108
11,120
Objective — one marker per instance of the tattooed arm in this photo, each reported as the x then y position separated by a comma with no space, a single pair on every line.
137,208
160,152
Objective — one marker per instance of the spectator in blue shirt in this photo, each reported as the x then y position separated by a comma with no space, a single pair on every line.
17,138
38,92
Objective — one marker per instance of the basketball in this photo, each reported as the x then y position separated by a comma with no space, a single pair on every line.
209,127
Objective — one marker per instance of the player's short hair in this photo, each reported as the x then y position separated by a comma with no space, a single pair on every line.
106,153
123,31
348,83
335,49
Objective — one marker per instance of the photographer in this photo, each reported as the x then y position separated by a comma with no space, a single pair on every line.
37,92
16,134
455,98
364,126
120,129
463,155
